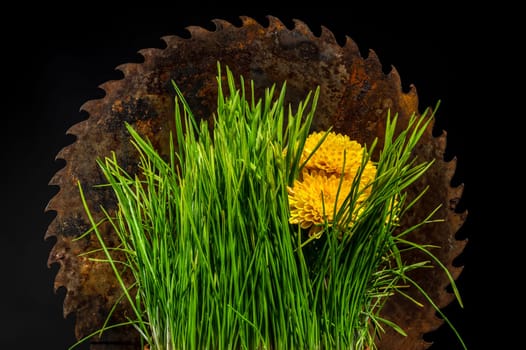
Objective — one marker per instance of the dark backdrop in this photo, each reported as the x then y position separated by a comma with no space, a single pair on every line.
54,61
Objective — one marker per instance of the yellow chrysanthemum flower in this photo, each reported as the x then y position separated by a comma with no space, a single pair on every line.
318,185
313,199
330,154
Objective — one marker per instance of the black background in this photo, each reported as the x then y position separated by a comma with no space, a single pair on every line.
55,59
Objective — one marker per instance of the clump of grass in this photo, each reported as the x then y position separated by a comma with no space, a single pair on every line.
206,233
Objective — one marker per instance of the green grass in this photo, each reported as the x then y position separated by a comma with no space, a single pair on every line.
215,262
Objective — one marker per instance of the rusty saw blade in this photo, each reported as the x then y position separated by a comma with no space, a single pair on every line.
355,96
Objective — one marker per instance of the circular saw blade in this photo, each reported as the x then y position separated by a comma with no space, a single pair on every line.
355,97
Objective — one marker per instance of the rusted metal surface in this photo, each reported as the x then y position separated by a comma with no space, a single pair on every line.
355,97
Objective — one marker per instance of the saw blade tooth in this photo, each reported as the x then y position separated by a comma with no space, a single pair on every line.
147,54
351,46
56,256
128,68
249,21
327,35
88,106
221,24
197,32
172,41
108,86
395,77
78,129
452,168
62,155
456,194
70,303
410,95
301,27
52,228
373,60
445,298
56,180
51,205
275,23
412,90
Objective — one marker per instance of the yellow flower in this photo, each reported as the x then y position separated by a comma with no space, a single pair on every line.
329,157
313,197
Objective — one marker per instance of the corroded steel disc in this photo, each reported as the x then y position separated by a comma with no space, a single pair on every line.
355,97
